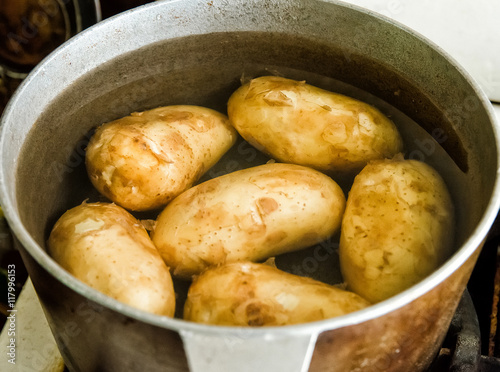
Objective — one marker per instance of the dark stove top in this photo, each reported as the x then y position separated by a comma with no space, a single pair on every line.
473,340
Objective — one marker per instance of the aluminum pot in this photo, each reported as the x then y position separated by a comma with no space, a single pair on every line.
195,52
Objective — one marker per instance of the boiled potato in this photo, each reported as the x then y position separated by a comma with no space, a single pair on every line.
108,249
250,294
398,227
144,160
298,123
251,214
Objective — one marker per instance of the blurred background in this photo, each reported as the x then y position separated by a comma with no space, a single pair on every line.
31,29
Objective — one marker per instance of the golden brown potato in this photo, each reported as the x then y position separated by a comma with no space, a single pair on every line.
298,123
144,160
108,249
250,294
251,214
398,227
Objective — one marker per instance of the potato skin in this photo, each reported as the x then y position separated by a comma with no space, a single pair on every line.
108,249
250,294
251,214
144,160
298,123
398,227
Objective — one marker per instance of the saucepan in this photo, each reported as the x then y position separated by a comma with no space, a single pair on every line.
198,52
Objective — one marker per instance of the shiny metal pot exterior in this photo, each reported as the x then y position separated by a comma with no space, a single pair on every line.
195,52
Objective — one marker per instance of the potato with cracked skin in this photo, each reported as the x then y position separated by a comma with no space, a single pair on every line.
250,294
251,214
105,247
397,229
298,123
144,160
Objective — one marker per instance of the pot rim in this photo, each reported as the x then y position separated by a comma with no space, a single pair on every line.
473,242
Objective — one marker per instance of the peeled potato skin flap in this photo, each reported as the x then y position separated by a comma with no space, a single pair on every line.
105,247
397,229
249,215
142,161
250,294
298,123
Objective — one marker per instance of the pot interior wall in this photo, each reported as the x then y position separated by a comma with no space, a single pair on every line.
205,70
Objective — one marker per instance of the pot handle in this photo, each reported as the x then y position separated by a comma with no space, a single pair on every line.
244,351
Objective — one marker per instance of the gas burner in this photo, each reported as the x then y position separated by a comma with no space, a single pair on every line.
473,340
